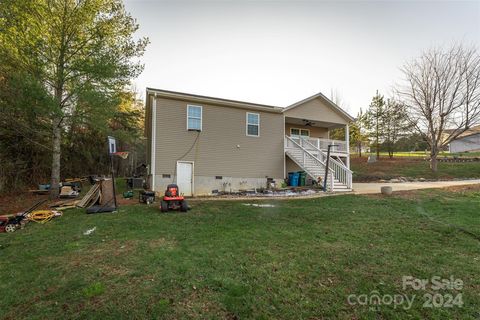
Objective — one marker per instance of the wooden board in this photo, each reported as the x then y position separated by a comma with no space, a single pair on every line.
107,193
92,193
66,203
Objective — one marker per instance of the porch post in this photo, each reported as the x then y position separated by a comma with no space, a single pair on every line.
347,140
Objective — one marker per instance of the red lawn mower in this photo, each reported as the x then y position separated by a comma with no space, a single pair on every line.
14,222
173,200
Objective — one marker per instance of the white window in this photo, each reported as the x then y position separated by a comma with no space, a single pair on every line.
295,132
194,118
253,124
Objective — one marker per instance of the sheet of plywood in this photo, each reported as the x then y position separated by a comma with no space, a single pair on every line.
107,192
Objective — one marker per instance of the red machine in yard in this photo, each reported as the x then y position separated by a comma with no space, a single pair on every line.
9,224
13,222
173,200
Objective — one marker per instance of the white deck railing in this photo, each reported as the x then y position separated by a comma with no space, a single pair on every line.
306,158
322,144
339,170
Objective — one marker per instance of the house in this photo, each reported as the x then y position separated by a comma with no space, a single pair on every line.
468,141
205,144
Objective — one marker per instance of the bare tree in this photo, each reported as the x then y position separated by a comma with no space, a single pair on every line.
442,95
337,98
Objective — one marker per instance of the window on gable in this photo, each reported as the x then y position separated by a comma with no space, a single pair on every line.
253,124
194,118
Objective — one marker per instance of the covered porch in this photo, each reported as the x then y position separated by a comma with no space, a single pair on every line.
314,134
308,124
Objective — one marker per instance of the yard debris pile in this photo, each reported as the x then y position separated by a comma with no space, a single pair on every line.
68,192
70,188
290,193
64,205
283,193
101,193
458,159
267,193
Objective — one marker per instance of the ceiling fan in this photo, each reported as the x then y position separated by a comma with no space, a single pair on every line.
308,123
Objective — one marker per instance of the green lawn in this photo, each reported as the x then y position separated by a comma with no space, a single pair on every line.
300,259
402,167
423,154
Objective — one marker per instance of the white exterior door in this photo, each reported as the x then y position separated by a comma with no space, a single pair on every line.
185,177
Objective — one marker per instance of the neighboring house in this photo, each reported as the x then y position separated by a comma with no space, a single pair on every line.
468,141
205,144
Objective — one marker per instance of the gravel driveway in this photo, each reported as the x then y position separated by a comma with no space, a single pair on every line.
374,187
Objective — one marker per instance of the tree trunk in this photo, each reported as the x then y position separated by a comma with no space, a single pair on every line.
56,144
434,162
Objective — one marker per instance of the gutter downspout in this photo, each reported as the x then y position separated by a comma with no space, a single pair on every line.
154,136
284,154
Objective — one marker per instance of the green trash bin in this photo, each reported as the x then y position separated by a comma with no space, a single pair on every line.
302,178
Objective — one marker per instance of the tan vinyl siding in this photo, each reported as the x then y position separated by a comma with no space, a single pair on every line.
291,166
215,152
316,110
315,132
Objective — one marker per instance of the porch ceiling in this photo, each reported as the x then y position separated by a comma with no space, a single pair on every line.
313,123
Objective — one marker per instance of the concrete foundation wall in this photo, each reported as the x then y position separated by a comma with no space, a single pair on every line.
203,185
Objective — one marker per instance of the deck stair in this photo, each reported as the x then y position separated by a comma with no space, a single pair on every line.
312,160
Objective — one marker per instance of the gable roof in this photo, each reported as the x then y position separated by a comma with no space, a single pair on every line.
214,100
329,103
469,132
248,105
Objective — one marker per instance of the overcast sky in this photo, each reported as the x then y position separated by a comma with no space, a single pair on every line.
279,52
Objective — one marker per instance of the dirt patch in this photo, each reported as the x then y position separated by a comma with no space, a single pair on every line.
385,168
162,243
121,201
100,256
13,203
18,202
198,303
101,253
463,189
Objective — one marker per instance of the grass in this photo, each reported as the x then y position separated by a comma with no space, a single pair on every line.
402,167
423,154
300,259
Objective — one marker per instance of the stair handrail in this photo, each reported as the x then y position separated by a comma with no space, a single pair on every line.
325,155
308,152
345,176
331,182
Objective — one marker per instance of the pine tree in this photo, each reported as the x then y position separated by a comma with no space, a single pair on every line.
82,52
374,121
395,123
